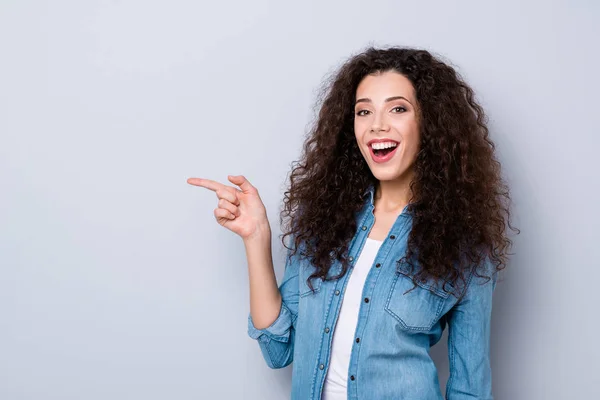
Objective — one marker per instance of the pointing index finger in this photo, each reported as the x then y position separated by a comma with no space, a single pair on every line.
206,183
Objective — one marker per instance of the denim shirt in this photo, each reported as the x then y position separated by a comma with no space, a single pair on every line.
390,355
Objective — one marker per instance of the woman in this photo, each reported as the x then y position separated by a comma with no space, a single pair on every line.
398,215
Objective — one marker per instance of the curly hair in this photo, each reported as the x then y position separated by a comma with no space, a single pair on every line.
460,203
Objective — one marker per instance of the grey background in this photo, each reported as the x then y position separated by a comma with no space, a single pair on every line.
115,280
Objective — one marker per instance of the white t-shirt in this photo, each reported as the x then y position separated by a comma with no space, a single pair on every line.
343,335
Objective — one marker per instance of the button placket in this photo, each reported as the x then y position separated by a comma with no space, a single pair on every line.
337,292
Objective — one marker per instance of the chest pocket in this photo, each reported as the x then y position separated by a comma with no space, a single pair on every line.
418,309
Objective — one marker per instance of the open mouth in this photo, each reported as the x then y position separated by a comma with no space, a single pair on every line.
383,153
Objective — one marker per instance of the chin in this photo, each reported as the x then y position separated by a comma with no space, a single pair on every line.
386,175
390,173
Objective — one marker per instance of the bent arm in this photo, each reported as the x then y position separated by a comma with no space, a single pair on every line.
273,310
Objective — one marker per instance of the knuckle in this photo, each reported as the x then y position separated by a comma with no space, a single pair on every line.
230,192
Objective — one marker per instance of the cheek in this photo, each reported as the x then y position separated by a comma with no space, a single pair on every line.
358,133
413,144
357,130
361,124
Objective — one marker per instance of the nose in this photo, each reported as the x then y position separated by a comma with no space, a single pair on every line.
379,123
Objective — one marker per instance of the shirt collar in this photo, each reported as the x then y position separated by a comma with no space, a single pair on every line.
371,192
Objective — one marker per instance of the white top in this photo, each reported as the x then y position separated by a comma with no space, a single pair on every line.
343,333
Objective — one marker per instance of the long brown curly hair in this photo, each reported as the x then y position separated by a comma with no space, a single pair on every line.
460,203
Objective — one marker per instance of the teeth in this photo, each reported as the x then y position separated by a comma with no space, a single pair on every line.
383,145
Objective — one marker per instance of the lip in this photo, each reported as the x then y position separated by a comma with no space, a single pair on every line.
370,142
387,157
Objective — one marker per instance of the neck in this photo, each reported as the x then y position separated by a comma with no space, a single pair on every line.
393,196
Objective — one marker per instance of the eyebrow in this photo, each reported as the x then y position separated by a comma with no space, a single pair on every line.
367,100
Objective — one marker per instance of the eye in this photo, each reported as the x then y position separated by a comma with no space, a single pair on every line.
362,112
399,108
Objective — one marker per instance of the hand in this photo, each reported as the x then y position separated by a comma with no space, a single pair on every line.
240,211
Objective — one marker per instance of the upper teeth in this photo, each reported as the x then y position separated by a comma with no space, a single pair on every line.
383,145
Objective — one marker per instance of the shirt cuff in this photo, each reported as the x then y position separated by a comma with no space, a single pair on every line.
279,330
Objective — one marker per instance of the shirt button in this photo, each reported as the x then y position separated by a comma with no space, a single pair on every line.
352,377
377,265
337,292
351,258
392,237
326,330
357,340
321,366
366,299
364,228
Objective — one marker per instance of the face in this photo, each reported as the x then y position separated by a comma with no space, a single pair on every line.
386,125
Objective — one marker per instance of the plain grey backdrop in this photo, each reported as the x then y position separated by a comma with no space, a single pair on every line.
115,280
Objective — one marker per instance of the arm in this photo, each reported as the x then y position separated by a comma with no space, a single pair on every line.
276,340
469,324
243,212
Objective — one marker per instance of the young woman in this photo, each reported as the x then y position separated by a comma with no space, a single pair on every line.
398,215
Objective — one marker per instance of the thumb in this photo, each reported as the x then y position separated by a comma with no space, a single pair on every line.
242,182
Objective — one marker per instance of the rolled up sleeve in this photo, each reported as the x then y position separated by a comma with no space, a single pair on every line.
277,340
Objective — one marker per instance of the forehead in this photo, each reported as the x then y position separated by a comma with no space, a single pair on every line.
383,85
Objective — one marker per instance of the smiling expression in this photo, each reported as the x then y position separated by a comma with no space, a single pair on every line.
386,125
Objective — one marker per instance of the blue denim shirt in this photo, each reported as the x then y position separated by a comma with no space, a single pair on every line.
396,330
